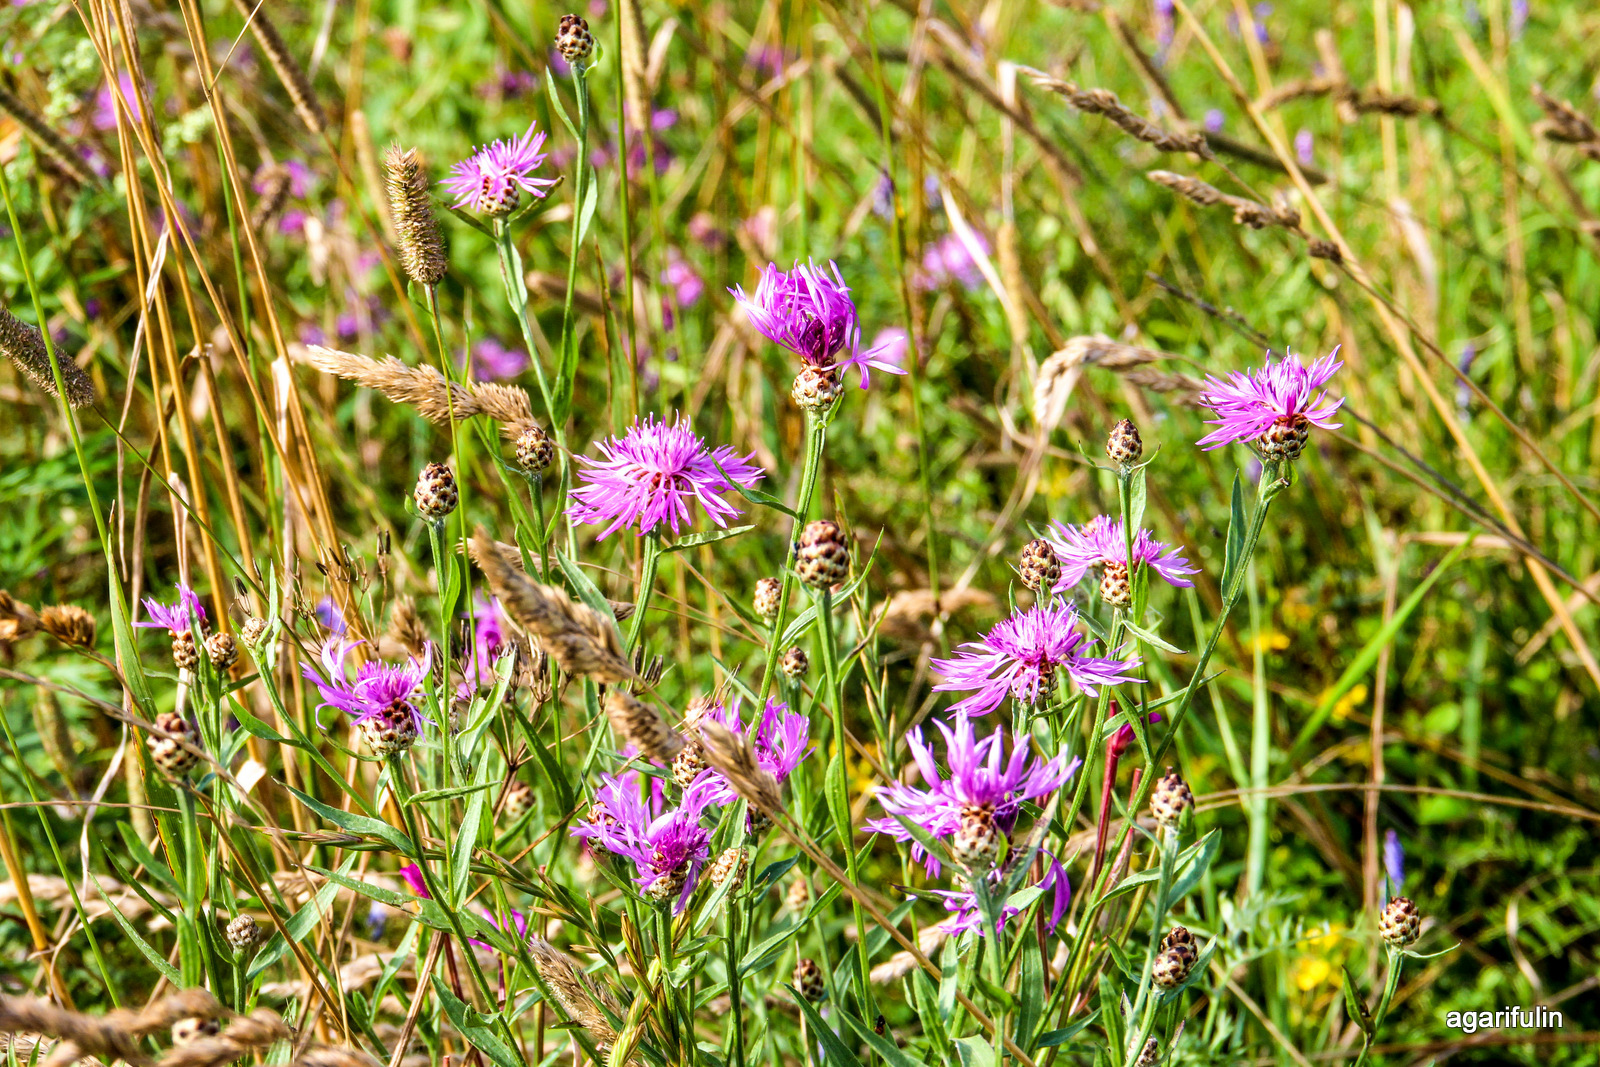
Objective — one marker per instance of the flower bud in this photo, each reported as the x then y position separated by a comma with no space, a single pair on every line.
1171,799
808,980
244,934
168,753
794,663
1123,445
573,40
769,591
1400,924
823,557
1038,566
436,494
535,450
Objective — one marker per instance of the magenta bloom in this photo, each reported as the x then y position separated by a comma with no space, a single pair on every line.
489,641
812,316
950,259
667,846
1283,394
968,916
492,179
983,783
1021,655
378,689
1102,540
782,741
413,876
650,475
186,614
493,361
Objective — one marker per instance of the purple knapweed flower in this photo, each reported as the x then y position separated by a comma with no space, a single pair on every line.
985,786
680,275
379,693
1272,407
1214,120
968,916
489,640
812,316
1021,655
1125,736
781,743
493,361
413,876
667,846
1394,860
187,614
649,476
492,179
952,259
519,922
891,345
105,104
1102,540
329,615
1304,145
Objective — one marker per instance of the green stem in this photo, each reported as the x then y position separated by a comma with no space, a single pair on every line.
650,545
816,441
1391,983
1148,1001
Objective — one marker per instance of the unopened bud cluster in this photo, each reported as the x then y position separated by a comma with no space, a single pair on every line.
1175,959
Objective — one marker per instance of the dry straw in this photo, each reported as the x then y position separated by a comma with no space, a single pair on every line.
1565,124
574,635
273,179
115,1035
425,389
288,69
416,227
1245,212
24,345
69,624
49,143
245,1034
642,726
584,1001
1105,102
513,557
731,755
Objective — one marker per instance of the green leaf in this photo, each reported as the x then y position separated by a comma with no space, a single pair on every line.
591,199
976,1052
300,924
428,795
474,1024
1150,638
763,954
798,627
710,537
256,727
1066,1033
391,897
892,1054
1030,992
157,959
834,1051
145,858
1186,872
556,105
587,591
838,796
1354,1007
356,824
756,496
1236,531
467,835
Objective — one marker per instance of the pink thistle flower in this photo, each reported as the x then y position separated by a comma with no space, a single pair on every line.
378,690
649,476
413,876
781,743
186,614
1281,398
667,846
983,780
493,178
968,916
1102,540
812,316
1021,655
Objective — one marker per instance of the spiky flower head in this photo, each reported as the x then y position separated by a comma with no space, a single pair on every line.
416,227
573,40
24,345
1021,655
254,629
493,179
186,614
1038,566
769,593
1123,444
382,700
650,475
984,782
730,867
813,316
667,845
1102,542
1272,408
535,450
816,389
822,559
1400,924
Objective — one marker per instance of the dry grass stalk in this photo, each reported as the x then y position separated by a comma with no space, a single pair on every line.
52,891
1352,101
69,624
513,557
49,143
24,345
425,389
574,635
288,69
908,614
113,1036
405,627
1105,102
584,1000
731,754
642,726
1059,374
416,227
901,964
1565,124
246,1033
330,1056
273,179
1245,212
1185,387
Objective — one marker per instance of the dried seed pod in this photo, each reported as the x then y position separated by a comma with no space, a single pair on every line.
1115,588
769,592
816,390
535,450
795,662
1038,566
1170,799
420,242
1401,923
69,624
730,867
168,753
823,557
222,649
1123,445
17,620
436,494
808,980
642,726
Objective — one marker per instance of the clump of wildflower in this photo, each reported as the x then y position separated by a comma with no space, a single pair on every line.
381,700
493,179
667,846
813,316
985,787
967,915
781,743
1272,408
180,620
1103,542
650,475
1021,655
